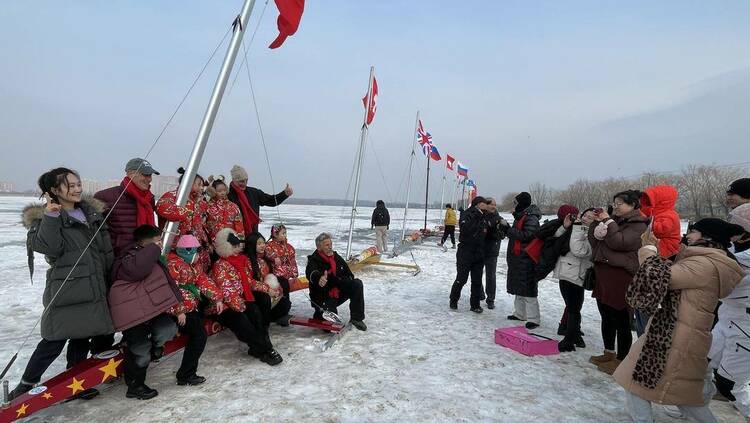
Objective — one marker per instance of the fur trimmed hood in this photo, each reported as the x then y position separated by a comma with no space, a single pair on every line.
35,211
222,247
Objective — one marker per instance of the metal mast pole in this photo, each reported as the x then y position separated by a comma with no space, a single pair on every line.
183,192
408,181
427,185
362,141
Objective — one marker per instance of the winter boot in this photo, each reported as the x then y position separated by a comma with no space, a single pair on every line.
477,310
271,357
531,325
19,390
490,305
565,345
579,343
609,367
194,379
141,392
360,325
599,359
453,305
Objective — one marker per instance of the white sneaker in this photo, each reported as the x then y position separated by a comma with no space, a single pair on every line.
673,412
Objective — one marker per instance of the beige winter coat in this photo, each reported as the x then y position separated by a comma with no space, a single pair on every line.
703,275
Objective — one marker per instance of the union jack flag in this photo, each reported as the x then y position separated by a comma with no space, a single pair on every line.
425,140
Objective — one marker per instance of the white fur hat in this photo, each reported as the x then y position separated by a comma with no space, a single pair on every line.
222,246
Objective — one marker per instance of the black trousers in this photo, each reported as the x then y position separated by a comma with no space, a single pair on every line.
141,339
249,327
615,326
281,309
351,290
468,262
724,386
102,343
196,343
573,296
449,230
47,351
490,277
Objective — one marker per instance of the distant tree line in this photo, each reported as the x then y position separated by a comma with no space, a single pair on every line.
702,190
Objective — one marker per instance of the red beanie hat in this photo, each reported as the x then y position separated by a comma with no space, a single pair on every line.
565,210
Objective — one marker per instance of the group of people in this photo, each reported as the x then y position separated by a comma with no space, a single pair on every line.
107,273
686,296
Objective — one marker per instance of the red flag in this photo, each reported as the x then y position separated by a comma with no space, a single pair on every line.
373,101
449,161
290,13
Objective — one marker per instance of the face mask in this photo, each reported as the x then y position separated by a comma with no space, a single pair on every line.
188,254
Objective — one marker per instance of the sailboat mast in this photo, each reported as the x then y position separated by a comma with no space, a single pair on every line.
427,185
408,181
183,192
362,141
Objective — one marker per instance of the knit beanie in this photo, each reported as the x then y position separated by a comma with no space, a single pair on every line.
238,172
718,230
524,201
740,187
566,209
741,216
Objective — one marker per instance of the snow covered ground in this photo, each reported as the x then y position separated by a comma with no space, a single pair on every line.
418,361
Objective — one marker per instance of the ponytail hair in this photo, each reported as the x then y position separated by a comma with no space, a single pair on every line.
181,171
55,178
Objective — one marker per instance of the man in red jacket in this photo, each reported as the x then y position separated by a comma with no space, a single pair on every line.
135,206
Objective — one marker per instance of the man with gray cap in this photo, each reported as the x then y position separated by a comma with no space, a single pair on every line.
249,199
135,206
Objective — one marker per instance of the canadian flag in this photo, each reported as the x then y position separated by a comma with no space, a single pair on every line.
449,161
290,13
373,101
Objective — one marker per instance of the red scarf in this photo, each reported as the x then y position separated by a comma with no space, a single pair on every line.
144,200
331,260
250,219
240,263
517,243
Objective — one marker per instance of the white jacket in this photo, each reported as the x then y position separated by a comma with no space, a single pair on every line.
735,306
572,266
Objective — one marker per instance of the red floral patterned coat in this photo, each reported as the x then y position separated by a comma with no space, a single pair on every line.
228,280
191,280
191,218
223,214
287,265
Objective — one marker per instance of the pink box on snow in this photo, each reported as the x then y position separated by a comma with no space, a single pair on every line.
519,339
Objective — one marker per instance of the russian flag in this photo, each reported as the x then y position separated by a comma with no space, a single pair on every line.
463,171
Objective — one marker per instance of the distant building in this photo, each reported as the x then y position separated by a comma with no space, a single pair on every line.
161,184
92,186
7,186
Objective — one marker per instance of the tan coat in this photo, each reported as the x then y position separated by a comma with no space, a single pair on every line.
703,275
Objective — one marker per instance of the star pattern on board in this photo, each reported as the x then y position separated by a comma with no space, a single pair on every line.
110,369
47,396
76,386
21,410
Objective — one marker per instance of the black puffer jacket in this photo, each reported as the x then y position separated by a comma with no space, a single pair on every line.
495,234
521,275
556,244
316,267
380,216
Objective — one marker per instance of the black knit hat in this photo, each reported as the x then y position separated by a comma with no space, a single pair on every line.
524,199
740,187
718,230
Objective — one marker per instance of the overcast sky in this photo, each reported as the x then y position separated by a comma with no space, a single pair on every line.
518,91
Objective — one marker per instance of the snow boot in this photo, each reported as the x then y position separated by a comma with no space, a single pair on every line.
141,392
192,380
599,359
360,325
271,357
609,367
565,346
19,390
531,325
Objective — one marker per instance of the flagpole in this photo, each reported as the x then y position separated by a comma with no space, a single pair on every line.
463,192
408,181
442,186
362,141
427,186
183,192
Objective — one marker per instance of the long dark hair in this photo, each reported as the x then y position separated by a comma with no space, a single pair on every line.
55,178
251,249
